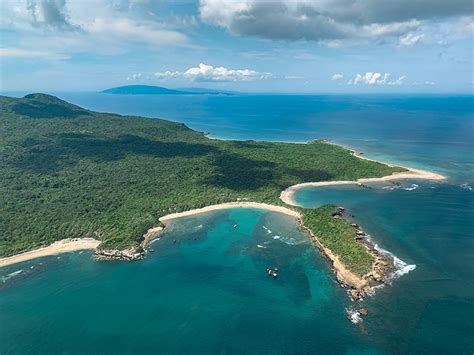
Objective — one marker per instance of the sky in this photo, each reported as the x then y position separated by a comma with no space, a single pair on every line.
286,46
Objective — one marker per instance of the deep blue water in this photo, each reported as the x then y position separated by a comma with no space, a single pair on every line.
209,292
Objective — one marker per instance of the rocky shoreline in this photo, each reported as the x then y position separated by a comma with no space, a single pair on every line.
133,253
358,286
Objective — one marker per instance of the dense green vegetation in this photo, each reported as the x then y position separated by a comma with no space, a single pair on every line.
338,235
69,172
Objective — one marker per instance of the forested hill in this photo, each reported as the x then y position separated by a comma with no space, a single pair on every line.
69,172
144,90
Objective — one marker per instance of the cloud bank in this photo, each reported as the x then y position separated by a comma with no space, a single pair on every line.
209,73
374,78
332,22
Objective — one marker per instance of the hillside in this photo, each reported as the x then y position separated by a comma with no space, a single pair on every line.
69,172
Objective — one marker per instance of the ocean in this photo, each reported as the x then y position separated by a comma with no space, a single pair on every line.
204,288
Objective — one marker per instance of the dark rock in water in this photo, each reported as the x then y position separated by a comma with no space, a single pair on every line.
363,312
354,294
133,253
272,272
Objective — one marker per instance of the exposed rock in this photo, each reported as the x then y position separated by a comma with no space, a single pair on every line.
363,312
355,294
130,254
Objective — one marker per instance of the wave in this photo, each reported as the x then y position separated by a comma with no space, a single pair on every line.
10,275
353,315
411,188
267,229
154,241
466,186
195,229
261,246
391,187
401,267
291,240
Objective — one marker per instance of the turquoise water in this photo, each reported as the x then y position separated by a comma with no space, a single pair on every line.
208,292
204,289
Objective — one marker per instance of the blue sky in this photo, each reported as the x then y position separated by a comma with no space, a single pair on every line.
294,46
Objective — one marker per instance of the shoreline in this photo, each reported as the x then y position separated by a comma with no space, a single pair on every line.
359,285
227,205
69,245
412,173
58,247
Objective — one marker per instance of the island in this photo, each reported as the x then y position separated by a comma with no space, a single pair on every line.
110,182
158,90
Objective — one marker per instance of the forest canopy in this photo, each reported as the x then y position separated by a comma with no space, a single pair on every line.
69,172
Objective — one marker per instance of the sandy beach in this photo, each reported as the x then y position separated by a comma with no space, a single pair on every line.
287,195
68,245
264,206
61,246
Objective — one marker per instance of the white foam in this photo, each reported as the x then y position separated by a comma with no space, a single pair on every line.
261,246
10,275
411,188
154,240
466,186
276,237
268,230
291,241
401,267
353,315
391,187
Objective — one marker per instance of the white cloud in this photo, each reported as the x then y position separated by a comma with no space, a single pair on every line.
68,26
410,39
333,23
337,77
128,30
25,53
398,81
209,73
374,78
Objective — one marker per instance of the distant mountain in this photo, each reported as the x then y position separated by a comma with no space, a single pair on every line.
158,90
143,90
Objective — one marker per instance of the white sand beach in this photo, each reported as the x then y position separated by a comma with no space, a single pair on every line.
61,246
264,206
287,195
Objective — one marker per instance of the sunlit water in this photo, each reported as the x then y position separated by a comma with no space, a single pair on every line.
204,288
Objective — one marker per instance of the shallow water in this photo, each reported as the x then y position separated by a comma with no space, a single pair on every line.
202,290
209,291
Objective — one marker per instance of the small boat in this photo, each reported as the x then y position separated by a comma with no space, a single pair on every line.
234,226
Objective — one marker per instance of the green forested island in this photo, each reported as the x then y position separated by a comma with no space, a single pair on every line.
69,172
158,90
143,90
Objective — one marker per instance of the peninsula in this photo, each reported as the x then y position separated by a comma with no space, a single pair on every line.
68,172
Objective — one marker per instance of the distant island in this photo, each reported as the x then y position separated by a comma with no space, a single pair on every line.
158,90
112,182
